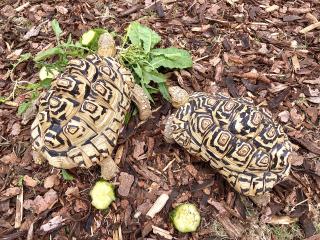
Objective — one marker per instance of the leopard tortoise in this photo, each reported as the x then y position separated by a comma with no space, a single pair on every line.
82,114
238,139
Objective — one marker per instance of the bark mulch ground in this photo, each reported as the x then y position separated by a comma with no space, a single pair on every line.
267,50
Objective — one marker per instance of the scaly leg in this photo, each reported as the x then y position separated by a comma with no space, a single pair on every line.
142,102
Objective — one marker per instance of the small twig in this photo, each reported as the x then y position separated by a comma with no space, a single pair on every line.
310,28
19,210
168,165
131,10
199,59
158,205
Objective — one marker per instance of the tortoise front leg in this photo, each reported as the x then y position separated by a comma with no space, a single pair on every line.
108,168
142,102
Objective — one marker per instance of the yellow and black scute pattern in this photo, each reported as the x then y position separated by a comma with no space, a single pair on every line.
80,117
239,140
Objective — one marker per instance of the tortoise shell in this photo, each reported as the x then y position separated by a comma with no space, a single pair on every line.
80,117
239,140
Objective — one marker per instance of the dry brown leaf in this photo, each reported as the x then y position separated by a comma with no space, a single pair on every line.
40,204
214,61
312,112
296,159
314,99
80,206
313,92
296,118
16,129
213,10
278,87
50,181
72,191
284,116
8,11
29,181
9,193
15,54
34,31
62,10
263,48
4,206
10,159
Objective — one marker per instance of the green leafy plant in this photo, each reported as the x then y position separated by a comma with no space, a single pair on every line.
66,175
139,54
51,62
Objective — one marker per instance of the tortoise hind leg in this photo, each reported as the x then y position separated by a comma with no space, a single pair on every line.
142,102
108,168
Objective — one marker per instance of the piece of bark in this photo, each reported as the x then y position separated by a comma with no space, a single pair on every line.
307,225
158,205
231,87
311,146
275,101
159,9
126,181
19,210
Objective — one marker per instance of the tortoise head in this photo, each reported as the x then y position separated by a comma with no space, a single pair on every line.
179,96
106,45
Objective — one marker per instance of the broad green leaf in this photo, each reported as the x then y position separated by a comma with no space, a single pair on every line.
24,57
142,36
147,92
133,34
170,58
66,175
23,107
48,53
56,28
69,40
137,69
164,91
32,86
153,76
46,83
